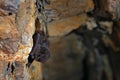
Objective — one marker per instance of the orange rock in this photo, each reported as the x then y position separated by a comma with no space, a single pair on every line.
8,28
16,41
9,36
64,26
68,8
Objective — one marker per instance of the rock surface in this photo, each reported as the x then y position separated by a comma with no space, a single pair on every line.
112,7
68,49
15,43
66,15
65,26
66,8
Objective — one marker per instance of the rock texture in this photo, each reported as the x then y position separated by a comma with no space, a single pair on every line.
16,30
77,52
67,8
66,15
9,36
110,6
65,26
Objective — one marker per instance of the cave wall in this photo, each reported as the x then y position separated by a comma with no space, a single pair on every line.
68,53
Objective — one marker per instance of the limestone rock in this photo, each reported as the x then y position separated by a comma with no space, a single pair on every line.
9,33
25,21
10,6
111,6
16,32
66,8
9,36
65,26
66,15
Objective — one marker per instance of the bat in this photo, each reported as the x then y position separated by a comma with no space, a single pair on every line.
40,51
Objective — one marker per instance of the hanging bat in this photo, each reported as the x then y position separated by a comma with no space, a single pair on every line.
40,51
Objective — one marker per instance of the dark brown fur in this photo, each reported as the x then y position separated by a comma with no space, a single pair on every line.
40,51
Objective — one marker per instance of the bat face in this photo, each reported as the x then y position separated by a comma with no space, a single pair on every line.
40,51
